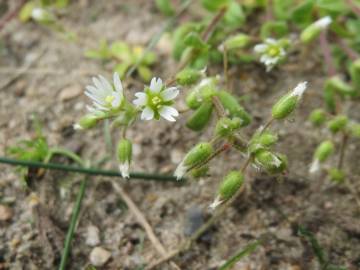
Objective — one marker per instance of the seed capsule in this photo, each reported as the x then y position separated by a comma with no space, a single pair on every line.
188,76
233,108
200,117
338,123
313,31
231,183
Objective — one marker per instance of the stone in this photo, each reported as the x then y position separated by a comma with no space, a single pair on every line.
70,92
6,213
92,236
99,256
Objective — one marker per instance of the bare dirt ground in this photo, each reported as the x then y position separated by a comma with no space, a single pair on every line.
271,206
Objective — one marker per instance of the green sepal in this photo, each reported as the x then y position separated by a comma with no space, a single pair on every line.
201,117
324,150
285,106
271,162
261,141
198,154
194,40
230,185
317,117
88,121
338,123
188,76
226,126
200,172
124,151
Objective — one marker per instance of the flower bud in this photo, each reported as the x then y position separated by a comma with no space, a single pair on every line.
355,74
124,154
317,117
233,108
229,186
200,117
188,76
238,41
262,140
313,31
226,126
338,123
200,172
86,122
271,162
42,16
324,150
336,175
287,104
198,154
193,99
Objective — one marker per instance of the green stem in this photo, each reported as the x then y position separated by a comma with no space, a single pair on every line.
71,230
89,171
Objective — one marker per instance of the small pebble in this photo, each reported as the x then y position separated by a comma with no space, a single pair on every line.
70,92
92,236
99,256
6,213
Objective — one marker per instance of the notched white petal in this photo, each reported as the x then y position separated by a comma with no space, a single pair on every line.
147,114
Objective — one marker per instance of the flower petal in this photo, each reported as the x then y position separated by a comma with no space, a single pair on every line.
117,83
141,99
170,93
147,114
106,85
260,48
168,113
156,85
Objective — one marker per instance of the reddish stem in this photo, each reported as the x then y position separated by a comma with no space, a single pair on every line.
328,59
11,14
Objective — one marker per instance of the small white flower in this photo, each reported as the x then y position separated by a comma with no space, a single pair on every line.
156,101
299,89
271,51
323,22
315,166
124,169
104,96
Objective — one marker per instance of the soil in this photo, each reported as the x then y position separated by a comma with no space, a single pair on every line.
32,238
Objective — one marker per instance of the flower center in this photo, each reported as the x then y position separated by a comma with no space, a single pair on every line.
273,51
109,99
156,100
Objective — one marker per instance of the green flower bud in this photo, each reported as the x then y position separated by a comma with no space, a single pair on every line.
324,150
124,154
272,163
317,117
229,186
197,155
341,87
226,126
188,76
233,108
338,123
200,172
200,117
86,122
355,74
287,104
262,140
354,129
336,175
238,41
193,99
313,31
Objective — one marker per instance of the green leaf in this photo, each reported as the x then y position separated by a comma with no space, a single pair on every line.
274,29
121,68
62,3
333,6
301,15
247,250
234,16
194,40
102,53
165,7
214,5
121,51
281,8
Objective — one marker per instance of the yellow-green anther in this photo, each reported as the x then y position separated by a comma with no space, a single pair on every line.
317,117
226,126
238,41
340,86
313,31
188,76
271,162
86,122
338,123
233,108
197,155
124,154
200,117
355,74
228,187
287,104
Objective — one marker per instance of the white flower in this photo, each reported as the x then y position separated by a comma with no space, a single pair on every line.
124,169
104,96
156,101
299,89
323,22
272,52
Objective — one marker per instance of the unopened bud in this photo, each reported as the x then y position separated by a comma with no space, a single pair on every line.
262,140
287,104
336,175
124,154
200,172
226,126
313,31
86,122
233,108
271,162
338,123
317,117
340,86
200,117
229,186
188,76
236,42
